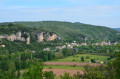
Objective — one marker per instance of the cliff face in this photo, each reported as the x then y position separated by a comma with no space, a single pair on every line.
46,36
52,38
28,40
13,37
41,36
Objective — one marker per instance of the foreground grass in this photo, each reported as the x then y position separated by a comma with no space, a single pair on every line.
63,67
77,58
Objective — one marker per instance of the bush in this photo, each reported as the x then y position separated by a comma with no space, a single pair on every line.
93,61
82,59
73,60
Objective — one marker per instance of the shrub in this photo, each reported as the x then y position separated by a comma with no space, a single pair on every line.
82,59
93,60
73,60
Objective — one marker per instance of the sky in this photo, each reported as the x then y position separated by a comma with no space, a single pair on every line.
95,12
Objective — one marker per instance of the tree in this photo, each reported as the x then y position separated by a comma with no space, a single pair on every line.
35,72
94,72
49,75
66,76
116,64
93,60
82,59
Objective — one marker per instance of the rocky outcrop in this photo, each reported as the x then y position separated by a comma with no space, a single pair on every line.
40,37
52,38
11,37
46,36
2,36
28,40
18,36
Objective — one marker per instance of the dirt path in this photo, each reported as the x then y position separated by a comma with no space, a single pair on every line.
72,63
59,72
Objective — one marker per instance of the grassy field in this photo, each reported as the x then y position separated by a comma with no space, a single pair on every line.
77,58
63,67
73,59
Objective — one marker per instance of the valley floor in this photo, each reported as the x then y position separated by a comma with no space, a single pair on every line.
60,66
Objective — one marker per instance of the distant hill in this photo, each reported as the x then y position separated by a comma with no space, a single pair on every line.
66,30
118,29
74,31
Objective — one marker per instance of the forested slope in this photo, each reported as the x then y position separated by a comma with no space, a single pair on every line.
75,31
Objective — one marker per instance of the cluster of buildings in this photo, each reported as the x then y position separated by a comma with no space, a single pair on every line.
71,45
105,43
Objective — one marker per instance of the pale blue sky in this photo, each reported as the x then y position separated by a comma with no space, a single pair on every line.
96,12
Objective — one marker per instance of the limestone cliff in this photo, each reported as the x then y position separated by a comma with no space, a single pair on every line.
18,36
13,37
40,36
46,36
28,40
52,38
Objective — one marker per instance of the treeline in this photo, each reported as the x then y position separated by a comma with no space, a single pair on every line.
100,49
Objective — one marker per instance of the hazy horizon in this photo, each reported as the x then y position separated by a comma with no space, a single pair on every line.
94,12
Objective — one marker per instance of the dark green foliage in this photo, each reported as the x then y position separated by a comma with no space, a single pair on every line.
116,65
44,55
93,60
49,75
73,60
94,72
66,76
35,72
67,52
82,59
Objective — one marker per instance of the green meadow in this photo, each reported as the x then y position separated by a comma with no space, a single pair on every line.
77,58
